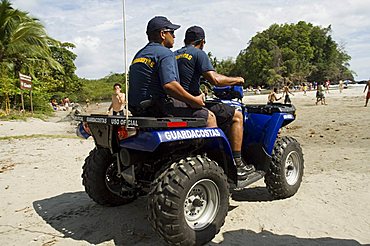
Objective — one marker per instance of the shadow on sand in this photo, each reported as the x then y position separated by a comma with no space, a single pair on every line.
255,194
266,238
76,216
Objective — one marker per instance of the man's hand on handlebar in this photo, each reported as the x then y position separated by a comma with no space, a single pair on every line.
240,80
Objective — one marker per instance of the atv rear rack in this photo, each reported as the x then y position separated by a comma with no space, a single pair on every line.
143,122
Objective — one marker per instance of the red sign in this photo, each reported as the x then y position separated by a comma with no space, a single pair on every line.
26,82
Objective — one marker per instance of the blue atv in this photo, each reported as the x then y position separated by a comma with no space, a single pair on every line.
187,170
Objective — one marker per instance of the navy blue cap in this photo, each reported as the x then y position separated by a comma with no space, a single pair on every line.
160,22
194,33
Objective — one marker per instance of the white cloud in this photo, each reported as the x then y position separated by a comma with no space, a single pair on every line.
95,26
88,42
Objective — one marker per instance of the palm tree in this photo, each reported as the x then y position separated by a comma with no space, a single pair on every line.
23,42
23,38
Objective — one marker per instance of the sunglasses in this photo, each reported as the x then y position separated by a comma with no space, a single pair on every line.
199,40
172,32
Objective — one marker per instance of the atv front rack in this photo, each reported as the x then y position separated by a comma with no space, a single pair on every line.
142,122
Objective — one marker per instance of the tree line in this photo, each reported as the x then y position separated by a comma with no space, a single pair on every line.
295,53
289,52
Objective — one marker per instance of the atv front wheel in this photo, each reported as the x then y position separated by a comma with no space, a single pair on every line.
189,201
284,176
100,177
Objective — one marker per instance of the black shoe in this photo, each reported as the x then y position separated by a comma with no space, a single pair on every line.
243,169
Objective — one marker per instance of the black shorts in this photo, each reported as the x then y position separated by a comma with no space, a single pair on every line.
287,99
118,113
224,115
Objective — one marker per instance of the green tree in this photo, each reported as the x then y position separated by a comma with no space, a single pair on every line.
23,44
292,52
101,89
213,59
23,39
225,67
68,80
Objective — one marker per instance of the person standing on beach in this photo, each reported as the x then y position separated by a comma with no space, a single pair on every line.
118,100
327,86
272,97
320,96
340,86
304,86
286,92
368,92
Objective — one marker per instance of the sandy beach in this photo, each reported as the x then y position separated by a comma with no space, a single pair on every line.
42,200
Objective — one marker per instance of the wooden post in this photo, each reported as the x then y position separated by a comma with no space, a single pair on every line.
7,104
22,101
26,84
31,102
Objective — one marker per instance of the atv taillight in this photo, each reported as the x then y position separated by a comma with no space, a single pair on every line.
177,124
124,132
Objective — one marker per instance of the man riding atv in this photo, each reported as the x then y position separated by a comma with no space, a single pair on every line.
193,63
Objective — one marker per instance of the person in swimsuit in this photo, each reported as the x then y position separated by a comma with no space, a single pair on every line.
118,101
368,92
273,96
320,96
286,92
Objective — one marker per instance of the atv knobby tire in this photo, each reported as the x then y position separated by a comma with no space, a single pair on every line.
189,201
94,178
286,168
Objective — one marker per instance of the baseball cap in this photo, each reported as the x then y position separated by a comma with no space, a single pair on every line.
159,22
194,33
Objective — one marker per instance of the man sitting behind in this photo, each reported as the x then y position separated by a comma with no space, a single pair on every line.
193,62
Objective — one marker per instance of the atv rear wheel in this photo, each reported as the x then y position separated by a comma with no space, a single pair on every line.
189,201
100,176
284,176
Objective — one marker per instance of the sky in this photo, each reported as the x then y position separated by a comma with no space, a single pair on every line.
96,26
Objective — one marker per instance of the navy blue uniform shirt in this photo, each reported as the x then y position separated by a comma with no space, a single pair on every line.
152,67
192,62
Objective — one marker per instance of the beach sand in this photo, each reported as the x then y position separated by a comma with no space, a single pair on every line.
42,200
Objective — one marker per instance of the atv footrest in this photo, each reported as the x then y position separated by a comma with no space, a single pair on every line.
253,177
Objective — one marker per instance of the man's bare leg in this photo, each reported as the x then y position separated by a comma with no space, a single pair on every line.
236,132
236,141
211,121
